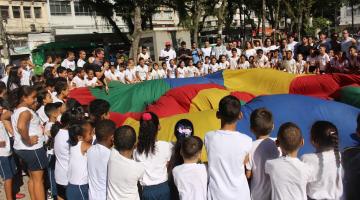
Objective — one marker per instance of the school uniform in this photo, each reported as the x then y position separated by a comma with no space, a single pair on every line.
41,113
78,187
51,159
34,157
62,155
7,163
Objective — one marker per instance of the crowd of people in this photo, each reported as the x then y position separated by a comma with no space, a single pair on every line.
74,152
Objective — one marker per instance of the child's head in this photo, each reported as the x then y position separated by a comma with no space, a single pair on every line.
52,110
191,62
242,58
322,49
183,128
163,65
90,74
222,58
104,131
25,95
149,127
234,52
229,110
99,109
300,57
213,60
62,72
44,97
259,52
141,61
80,72
191,148
70,74
124,138
62,88
324,136
289,138
207,59
50,84
289,55
155,66
80,131
112,68
261,122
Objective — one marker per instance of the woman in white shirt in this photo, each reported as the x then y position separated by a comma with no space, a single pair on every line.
171,69
28,138
243,63
181,70
154,155
249,49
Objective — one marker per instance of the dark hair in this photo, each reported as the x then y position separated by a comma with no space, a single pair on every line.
72,104
69,70
124,138
67,118
2,87
50,82
48,73
229,109
17,94
60,70
149,124
4,104
51,107
75,130
326,135
261,122
104,129
60,86
141,58
13,78
78,70
190,146
289,136
68,53
98,50
183,43
97,108
259,51
41,95
353,47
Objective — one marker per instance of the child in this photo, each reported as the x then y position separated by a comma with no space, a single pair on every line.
142,70
300,64
162,71
201,69
43,98
275,59
98,157
79,80
121,74
325,162
233,60
130,73
59,131
28,138
351,163
154,155
7,163
261,60
91,80
312,61
99,109
123,185
288,175
157,73
61,72
181,70
323,58
289,64
227,151
171,69
62,91
223,64
263,149
191,70
213,66
191,178
243,63
206,64
80,139
112,75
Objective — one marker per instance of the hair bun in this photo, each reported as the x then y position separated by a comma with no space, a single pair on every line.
146,116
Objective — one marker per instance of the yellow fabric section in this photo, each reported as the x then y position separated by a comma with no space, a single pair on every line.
258,81
205,122
207,99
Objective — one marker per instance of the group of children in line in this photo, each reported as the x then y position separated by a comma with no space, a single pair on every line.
81,154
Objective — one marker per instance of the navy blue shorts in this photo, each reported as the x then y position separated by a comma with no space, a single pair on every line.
78,192
154,192
34,160
7,167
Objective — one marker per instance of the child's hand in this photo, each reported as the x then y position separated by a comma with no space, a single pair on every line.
2,144
34,140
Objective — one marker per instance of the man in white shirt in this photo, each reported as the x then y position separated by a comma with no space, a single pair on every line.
98,156
69,62
82,57
142,70
261,61
292,44
227,151
206,50
167,53
347,42
145,54
26,73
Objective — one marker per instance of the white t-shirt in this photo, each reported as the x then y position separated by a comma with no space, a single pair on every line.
142,71
245,65
226,151
123,185
62,155
192,71
157,74
214,68
172,71
26,76
80,63
261,151
206,51
68,64
92,82
42,115
78,173
45,65
4,137
292,45
288,177
262,62
5,79
327,183
79,82
121,76
35,129
171,55
323,60
205,69
112,76
233,62
56,99
98,157
223,65
250,52
155,164
191,181
289,65
130,74
181,72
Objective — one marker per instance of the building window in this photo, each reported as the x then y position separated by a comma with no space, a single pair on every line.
4,12
16,11
60,7
27,12
81,10
37,12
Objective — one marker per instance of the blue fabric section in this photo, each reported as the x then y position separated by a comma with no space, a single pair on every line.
304,111
216,78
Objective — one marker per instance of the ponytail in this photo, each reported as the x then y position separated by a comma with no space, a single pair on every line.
149,125
75,130
55,128
335,140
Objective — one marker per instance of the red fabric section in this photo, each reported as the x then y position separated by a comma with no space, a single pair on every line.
322,86
243,96
119,118
178,100
83,95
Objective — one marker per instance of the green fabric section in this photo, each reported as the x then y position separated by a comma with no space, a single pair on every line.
132,97
350,95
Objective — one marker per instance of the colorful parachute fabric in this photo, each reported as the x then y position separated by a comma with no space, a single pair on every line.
300,99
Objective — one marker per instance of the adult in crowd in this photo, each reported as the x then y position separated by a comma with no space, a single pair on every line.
81,61
183,53
219,49
167,53
69,62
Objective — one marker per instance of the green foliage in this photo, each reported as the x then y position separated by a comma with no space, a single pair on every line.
319,23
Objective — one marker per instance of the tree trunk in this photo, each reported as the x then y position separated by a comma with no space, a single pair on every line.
196,20
300,20
136,34
263,21
276,18
220,16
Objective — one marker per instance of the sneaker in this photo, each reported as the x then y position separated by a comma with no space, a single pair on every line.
19,195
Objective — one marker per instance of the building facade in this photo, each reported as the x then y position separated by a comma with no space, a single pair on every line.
345,16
